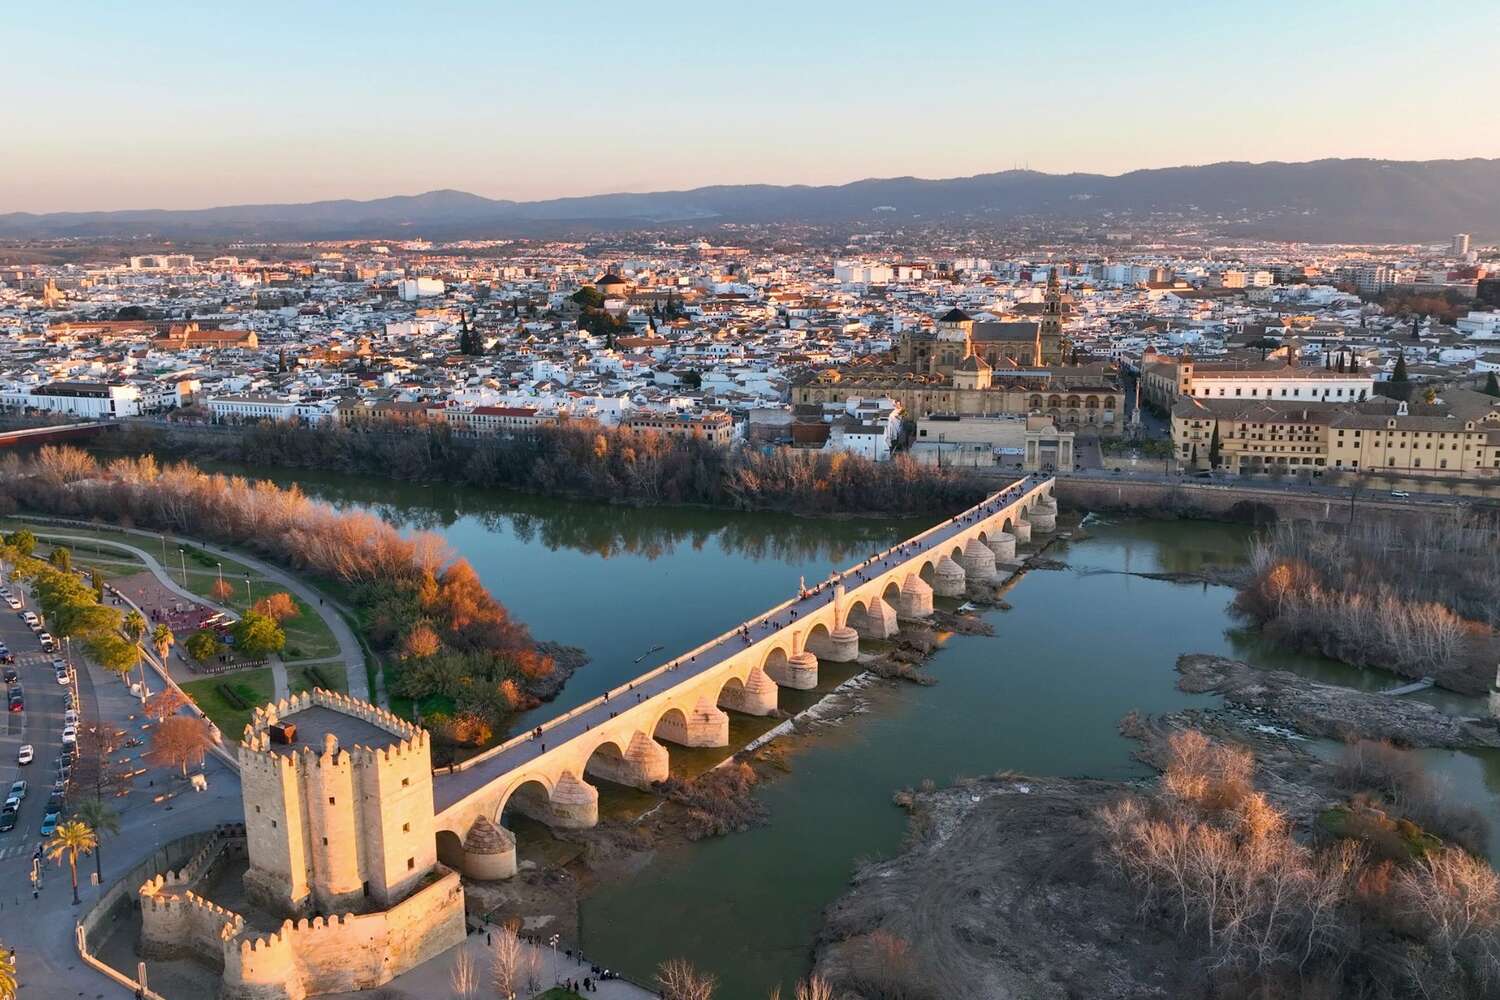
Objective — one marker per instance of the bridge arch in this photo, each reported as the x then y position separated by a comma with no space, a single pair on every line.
530,796
892,592
450,849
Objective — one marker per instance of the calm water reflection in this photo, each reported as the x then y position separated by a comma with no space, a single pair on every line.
1080,648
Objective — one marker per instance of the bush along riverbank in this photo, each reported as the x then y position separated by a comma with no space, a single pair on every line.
449,643
1420,600
583,459
1250,867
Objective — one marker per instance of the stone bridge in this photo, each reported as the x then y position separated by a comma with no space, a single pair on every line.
52,434
622,736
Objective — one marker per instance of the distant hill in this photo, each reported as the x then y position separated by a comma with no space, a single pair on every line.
1352,200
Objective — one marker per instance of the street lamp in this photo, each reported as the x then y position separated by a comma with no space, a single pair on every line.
182,554
247,589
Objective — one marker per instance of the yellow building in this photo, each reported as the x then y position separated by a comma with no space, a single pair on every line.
1457,436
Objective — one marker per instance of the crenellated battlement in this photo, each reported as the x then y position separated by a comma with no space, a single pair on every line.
335,701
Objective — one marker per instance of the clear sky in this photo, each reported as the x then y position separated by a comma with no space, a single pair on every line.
167,104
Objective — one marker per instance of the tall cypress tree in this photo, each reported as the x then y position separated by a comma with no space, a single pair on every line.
1213,448
1492,385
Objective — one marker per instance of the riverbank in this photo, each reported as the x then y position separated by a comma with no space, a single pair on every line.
1331,711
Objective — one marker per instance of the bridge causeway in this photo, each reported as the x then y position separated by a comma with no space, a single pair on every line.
621,735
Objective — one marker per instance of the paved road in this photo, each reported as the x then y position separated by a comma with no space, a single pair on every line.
451,788
41,930
349,649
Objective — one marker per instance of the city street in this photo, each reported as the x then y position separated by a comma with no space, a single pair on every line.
159,807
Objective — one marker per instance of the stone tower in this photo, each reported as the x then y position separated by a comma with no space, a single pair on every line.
1054,347
339,817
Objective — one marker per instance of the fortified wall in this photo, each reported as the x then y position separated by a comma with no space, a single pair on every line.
341,838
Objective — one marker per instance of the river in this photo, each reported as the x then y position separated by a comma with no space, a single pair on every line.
1079,649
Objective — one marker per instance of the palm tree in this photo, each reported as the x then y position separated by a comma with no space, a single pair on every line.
134,627
162,639
70,840
8,984
102,818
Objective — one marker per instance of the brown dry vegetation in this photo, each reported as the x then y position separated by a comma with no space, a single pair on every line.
1277,917
1421,600
584,459
411,595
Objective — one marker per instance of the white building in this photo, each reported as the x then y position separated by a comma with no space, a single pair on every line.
91,400
236,408
854,273
1460,244
412,289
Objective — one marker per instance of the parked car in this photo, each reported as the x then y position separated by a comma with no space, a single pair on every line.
7,820
18,788
25,755
17,703
13,803
61,673
30,618
11,677
70,718
13,601
6,656
70,734
49,823
48,643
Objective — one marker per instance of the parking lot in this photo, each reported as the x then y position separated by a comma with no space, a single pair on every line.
38,724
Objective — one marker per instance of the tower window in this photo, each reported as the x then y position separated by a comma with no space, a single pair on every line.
330,800
406,828
405,782
411,863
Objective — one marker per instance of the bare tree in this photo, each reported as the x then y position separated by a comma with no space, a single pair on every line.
464,978
680,981
815,987
508,963
180,741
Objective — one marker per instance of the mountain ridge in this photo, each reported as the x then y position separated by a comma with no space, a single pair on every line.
1351,199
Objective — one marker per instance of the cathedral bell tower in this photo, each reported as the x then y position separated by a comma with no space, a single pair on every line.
1054,347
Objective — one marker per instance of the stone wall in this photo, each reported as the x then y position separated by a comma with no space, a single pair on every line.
177,922
1226,502
347,952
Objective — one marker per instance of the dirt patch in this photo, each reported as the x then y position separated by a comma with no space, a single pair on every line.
1328,710
1000,895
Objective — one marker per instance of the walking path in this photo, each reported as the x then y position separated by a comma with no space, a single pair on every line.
349,649
433,977
1412,688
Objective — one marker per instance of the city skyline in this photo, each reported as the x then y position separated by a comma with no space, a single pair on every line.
225,107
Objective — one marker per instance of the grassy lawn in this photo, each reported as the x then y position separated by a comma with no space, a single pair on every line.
333,678
307,635
558,993
256,687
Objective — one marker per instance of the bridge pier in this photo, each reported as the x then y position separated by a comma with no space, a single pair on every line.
841,645
643,763
489,852
572,805
799,672
916,598
1003,545
978,562
948,578
1022,530
878,621
1044,516
757,696
704,726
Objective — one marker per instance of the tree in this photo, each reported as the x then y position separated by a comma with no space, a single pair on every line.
23,541
1398,374
134,626
1214,447
165,703
115,654
680,981
162,639
180,741
257,636
464,978
278,607
8,983
221,590
69,840
100,817
62,558
508,963
203,645
1492,385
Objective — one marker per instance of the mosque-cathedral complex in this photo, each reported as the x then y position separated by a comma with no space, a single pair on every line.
983,368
